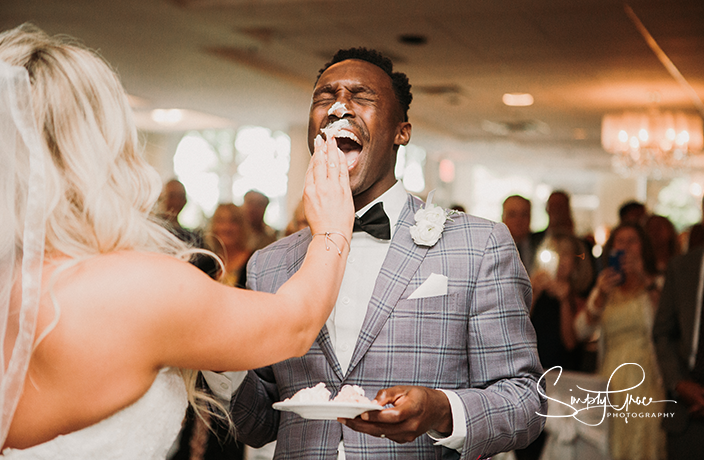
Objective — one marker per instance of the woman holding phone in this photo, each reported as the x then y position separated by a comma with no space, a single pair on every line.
622,307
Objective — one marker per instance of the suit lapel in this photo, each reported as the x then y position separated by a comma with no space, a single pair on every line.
296,257
401,262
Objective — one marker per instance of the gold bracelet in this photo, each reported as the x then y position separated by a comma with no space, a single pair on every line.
327,238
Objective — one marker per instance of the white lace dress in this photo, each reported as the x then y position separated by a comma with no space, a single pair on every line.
144,430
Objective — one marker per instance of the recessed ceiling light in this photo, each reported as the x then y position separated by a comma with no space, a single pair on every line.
413,39
518,99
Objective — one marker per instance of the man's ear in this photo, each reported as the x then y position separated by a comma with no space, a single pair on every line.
403,133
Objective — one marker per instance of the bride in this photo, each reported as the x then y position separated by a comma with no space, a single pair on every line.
101,315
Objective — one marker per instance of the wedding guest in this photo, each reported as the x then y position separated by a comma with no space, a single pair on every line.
458,365
696,237
678,334
254,207
560,221
696,233
229,236
516,216
558,284
632,212
622,305
102,315
171,202
665,240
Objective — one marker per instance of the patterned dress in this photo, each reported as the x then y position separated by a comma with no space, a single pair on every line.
626,337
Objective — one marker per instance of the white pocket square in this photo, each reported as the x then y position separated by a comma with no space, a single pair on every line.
435,285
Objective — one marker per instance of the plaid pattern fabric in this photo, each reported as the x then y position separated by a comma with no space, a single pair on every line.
477,340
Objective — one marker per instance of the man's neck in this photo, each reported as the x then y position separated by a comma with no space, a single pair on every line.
363,199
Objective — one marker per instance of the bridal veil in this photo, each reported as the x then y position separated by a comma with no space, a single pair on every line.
22,234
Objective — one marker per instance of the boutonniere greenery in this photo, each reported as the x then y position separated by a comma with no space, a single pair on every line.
430,222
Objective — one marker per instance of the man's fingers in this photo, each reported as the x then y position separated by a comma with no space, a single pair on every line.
389,395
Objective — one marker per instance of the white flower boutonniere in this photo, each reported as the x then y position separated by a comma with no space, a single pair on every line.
430,222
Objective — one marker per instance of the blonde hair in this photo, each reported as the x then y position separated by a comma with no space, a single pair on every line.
101,191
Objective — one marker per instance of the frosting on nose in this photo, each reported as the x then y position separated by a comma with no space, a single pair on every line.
338,109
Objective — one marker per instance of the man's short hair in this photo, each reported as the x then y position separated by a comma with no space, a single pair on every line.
256,193
630,206
399,80
517,197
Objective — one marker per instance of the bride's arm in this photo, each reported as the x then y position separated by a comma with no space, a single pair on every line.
211,326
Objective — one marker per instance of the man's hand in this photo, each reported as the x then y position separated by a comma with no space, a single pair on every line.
416,410
693,395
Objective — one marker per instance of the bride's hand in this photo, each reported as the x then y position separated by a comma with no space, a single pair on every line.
327,199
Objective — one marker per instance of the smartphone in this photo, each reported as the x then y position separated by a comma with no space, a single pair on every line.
548,261
615,263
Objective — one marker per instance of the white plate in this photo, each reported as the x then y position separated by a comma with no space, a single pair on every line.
330,410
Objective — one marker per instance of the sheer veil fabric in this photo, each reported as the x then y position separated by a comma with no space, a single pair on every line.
22,234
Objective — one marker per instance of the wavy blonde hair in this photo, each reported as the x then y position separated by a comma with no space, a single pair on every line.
101,190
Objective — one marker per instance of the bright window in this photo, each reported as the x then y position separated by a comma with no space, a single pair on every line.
220,166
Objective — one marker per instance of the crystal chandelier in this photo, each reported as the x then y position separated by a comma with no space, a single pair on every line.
653,143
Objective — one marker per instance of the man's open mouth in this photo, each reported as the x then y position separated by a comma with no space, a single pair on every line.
347,141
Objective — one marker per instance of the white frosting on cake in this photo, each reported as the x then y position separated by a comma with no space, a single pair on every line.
352,394
319,393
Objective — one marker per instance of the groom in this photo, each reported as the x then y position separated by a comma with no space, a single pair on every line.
454,360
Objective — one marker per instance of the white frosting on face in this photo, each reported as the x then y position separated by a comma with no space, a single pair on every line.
339,128
338,109
334,128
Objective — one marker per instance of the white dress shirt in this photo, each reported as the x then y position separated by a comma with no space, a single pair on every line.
344,324
364,263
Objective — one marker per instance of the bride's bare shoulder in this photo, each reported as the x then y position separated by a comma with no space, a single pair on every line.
147,266
124,276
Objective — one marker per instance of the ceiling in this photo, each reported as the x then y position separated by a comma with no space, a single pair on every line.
255,61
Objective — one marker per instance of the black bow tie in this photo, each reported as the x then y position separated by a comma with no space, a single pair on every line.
375,222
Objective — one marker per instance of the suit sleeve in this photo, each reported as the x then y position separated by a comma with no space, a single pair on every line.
503,402
256,421
667,335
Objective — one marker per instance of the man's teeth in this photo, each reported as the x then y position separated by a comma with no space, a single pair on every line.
337,129
348,135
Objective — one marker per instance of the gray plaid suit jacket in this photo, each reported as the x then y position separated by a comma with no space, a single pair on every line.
477,340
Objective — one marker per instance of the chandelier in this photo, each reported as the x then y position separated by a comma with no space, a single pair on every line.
653,143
